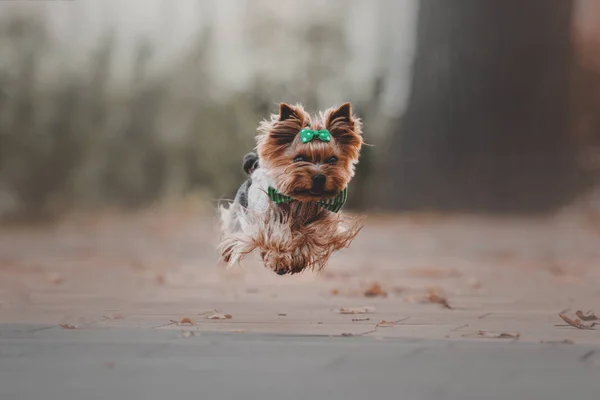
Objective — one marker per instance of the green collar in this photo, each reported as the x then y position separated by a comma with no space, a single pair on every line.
333,205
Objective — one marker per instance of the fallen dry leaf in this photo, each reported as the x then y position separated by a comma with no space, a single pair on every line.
438,297
334,292
375,290
67,326
357,310
388,324
590,316
576,322
502,335
219,316
508,336
186,321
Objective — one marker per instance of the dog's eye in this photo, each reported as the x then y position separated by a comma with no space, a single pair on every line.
332,161
299,159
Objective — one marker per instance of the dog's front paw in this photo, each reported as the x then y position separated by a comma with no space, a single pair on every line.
277,264
283,263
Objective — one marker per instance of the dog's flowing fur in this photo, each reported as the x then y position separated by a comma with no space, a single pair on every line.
299,235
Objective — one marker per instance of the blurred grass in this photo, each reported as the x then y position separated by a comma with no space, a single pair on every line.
75,141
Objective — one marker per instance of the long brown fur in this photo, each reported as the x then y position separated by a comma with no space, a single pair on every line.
292,237
287,246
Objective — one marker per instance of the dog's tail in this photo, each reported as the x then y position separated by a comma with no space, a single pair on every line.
250,163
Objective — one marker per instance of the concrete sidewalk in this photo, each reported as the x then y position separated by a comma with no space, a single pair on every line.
52,364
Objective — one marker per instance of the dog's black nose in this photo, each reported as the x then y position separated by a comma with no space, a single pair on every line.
318,181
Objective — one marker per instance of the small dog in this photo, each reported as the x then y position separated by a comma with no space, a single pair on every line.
289,207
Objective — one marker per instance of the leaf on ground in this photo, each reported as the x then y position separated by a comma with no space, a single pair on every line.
67,326
590,316
436,296
375,290
334,292
508,336
186,321
502,335
387,324
219,316
357,310
347,334
576,322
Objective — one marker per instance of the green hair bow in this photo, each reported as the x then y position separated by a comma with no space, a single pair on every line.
307,135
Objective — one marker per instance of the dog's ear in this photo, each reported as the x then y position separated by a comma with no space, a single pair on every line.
344,127
283,128
341,114
286,112
250,163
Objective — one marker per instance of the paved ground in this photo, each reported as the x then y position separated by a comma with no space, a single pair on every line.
144,364
112,305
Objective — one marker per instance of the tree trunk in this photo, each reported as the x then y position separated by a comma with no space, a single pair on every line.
487,126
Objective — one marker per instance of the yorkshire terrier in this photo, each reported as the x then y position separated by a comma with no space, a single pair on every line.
289,208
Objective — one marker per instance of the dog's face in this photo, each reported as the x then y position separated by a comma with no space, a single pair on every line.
316,169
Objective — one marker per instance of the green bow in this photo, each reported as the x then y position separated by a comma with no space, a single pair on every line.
333,205
306,135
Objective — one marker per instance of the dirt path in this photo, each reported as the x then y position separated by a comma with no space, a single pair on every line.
503,278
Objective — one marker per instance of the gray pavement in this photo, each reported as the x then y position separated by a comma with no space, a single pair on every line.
51,363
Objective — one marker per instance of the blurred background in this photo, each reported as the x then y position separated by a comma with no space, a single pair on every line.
123,123
477,106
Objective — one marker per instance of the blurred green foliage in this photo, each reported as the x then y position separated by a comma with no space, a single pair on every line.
76,141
